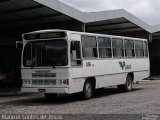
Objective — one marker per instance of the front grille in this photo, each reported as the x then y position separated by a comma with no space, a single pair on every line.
43,82
37,75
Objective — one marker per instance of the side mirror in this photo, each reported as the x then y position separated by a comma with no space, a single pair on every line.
19,44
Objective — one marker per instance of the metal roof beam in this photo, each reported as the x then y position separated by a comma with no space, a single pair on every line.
129,28
118,23
116,29
155,38
156,34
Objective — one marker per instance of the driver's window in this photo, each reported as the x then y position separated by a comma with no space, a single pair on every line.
75,53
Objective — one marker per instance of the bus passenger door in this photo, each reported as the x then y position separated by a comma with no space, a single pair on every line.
75,51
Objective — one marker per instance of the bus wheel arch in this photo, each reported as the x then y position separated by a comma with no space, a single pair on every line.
88,87
127,87
132,75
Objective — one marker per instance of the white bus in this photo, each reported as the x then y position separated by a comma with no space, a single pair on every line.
65,62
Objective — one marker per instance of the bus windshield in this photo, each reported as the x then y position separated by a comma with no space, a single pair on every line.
45,53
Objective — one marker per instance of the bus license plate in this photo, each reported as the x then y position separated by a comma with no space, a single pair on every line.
41,90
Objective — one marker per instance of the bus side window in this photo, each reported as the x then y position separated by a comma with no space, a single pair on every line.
89,47
129,48
117,45
75,53
104,45
139,49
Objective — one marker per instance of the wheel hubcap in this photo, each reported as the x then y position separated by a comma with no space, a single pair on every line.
88,90
129,83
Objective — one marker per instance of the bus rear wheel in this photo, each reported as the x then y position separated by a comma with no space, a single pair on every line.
50,95
87,90
127,87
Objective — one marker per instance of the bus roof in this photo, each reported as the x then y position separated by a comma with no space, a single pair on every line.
84,33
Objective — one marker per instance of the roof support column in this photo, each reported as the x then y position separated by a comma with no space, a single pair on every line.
83,27
150,38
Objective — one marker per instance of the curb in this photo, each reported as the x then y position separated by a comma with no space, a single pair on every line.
147,81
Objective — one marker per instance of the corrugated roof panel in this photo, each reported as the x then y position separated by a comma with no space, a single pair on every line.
98,23
44,11
126,30
126,25
8,17
118,20
24,3
26,14
156,34
60,18
5,6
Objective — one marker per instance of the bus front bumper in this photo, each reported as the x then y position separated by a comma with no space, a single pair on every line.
45,90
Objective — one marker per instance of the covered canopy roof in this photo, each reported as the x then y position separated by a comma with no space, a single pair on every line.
113,26
21,13
94,18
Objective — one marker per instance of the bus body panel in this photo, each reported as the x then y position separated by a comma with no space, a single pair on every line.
47,90
43,78
106,71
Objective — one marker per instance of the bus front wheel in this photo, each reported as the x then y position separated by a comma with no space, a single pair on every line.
87,90
127,87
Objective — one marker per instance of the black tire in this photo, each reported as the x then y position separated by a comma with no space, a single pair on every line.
50,95
127,87
87,90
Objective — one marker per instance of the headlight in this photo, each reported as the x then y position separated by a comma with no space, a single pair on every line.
64,82
59,82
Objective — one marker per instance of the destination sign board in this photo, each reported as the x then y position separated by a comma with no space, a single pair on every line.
44,35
